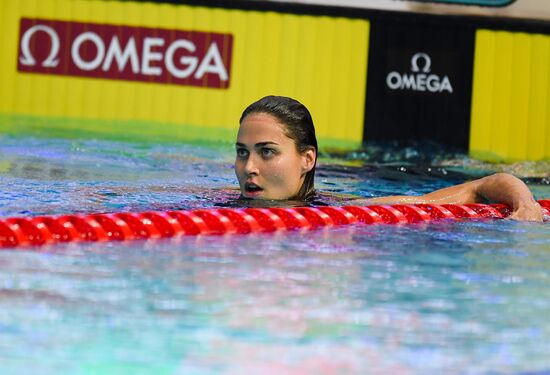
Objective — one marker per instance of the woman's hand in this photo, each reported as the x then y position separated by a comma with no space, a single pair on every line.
507,189
528,210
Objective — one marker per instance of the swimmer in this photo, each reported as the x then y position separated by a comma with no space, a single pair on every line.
276,155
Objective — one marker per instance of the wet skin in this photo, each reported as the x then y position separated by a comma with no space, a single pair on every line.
268,164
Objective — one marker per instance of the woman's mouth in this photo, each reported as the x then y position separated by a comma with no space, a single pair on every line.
252,190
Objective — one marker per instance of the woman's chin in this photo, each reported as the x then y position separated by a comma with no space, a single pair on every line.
260,194
263,195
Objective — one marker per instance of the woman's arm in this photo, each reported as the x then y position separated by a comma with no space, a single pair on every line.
500,187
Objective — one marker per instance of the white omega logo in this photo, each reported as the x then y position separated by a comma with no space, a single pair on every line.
420,79
427,62
28,59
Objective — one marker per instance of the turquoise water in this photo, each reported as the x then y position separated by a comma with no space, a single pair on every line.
439,298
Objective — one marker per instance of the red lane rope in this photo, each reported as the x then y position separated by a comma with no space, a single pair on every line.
43,230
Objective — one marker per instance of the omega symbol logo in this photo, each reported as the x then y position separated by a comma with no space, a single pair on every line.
28,59
427,62
420,79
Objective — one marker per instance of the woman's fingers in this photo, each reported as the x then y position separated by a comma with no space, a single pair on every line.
530,211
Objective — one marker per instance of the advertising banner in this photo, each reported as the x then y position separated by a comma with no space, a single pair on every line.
128,53
419,82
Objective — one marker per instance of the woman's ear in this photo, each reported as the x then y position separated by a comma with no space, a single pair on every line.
308,160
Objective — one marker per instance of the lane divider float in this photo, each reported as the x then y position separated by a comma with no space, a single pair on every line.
44,230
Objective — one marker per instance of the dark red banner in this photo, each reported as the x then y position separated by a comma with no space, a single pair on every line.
144,54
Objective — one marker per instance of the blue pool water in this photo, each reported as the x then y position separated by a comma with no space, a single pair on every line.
434,298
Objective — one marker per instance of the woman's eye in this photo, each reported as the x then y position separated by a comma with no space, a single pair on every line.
242,153
268,152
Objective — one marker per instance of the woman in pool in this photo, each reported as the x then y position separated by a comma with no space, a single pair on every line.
277,153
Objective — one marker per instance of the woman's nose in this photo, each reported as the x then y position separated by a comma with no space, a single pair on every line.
251,166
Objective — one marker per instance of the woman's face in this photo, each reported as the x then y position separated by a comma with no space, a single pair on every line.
268,165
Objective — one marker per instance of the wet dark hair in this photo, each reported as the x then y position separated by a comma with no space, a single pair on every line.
299,127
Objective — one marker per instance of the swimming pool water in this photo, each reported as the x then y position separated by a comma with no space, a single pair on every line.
467,297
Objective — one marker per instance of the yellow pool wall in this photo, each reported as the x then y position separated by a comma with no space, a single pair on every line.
316,59
511,96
